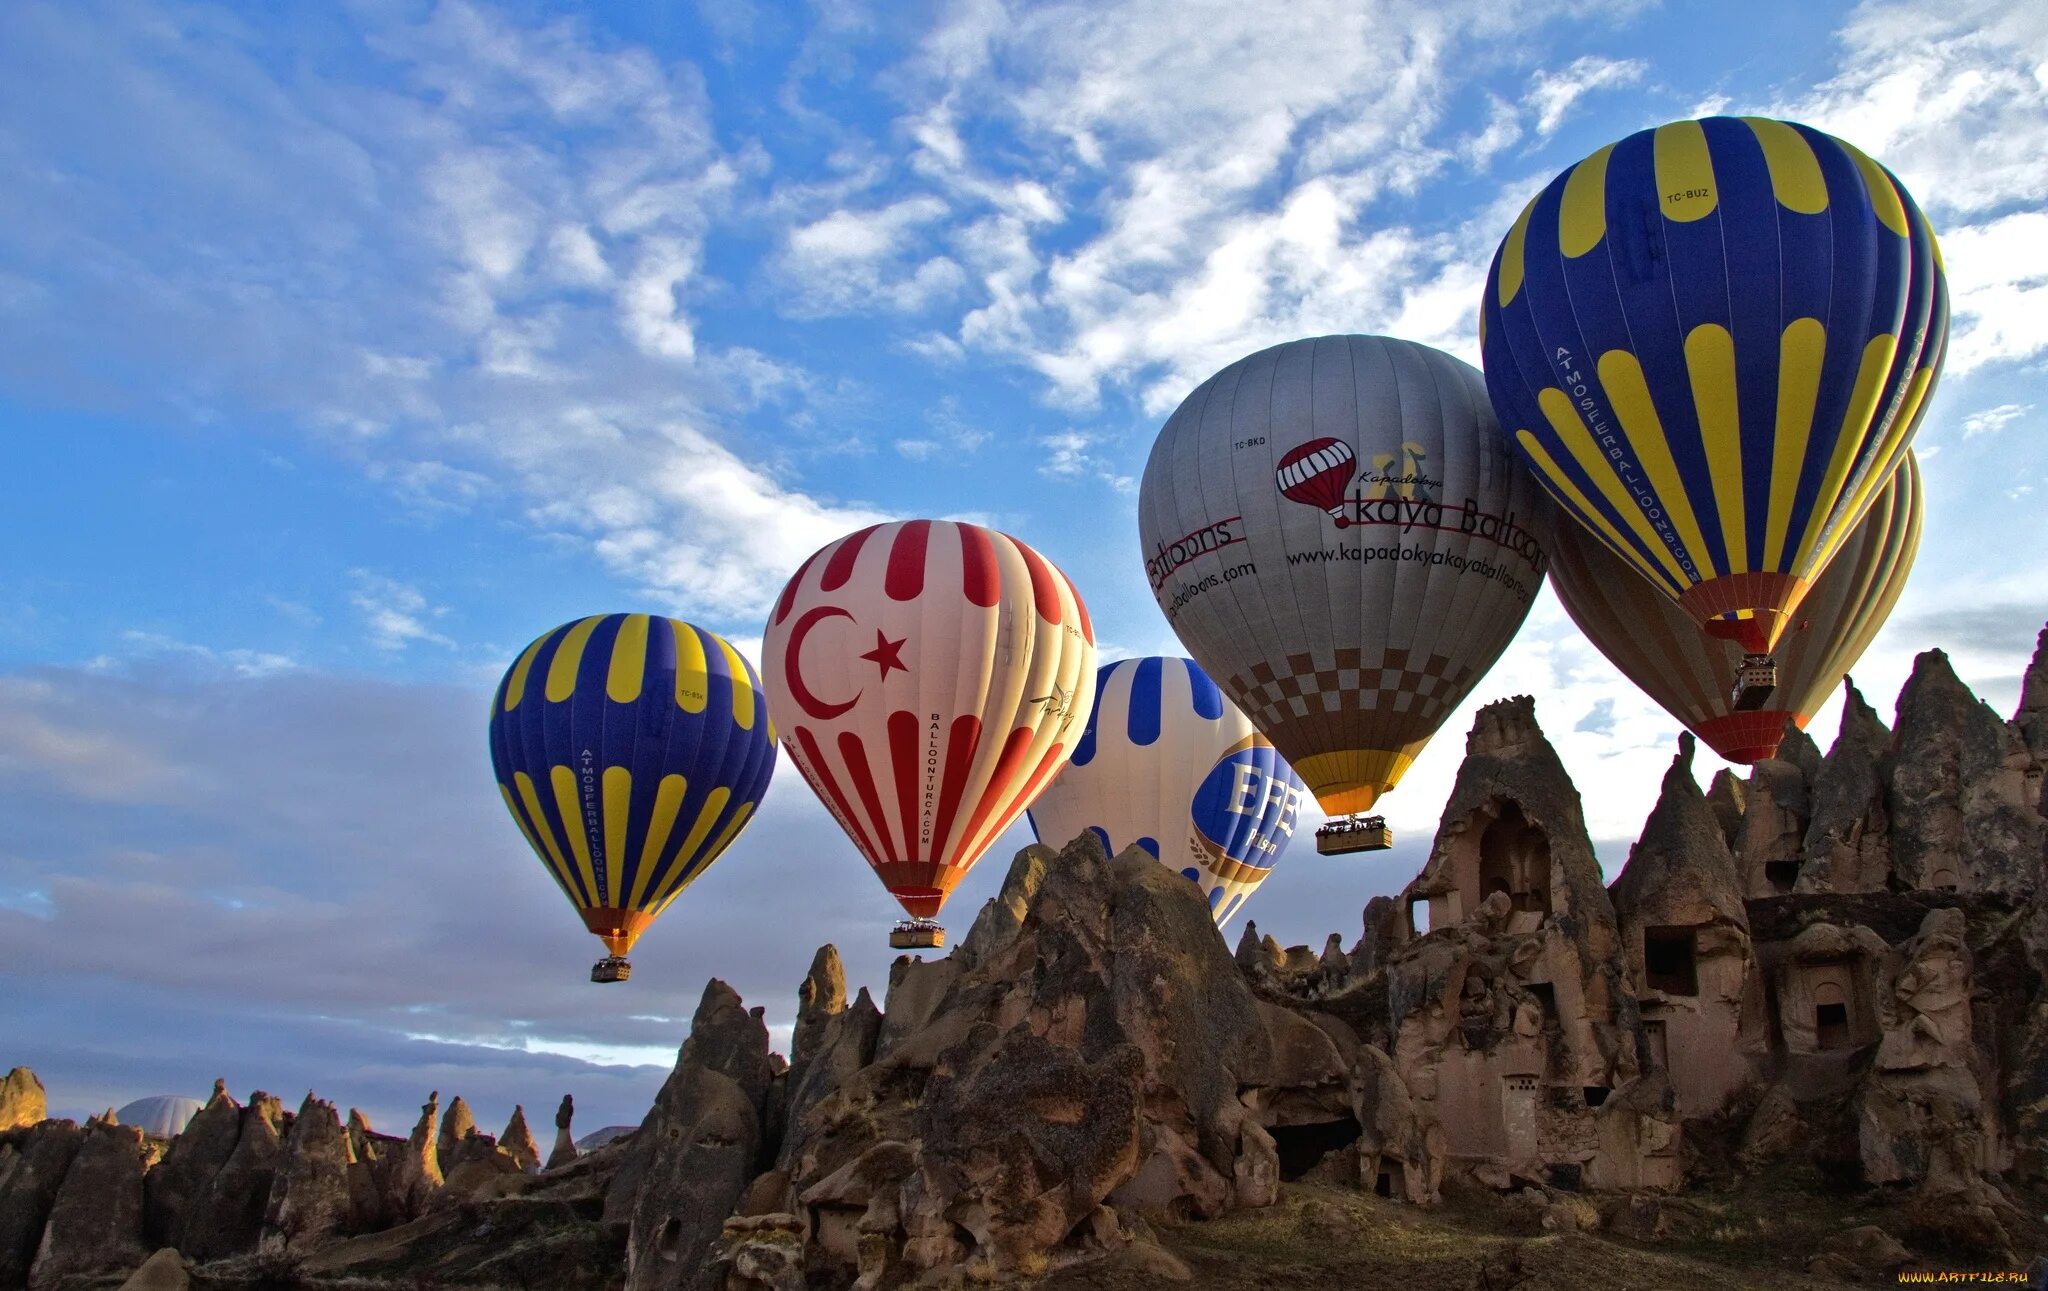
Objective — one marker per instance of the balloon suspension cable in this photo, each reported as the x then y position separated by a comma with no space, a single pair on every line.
1755,678
612,968
1347,834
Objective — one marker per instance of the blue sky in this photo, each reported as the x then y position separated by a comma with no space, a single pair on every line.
342,353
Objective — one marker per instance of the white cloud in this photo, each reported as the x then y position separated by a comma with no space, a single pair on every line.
1989,421
858,260
1552,94
394,614
1953,96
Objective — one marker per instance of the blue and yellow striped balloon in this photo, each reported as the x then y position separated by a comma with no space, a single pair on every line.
1713,342
630,749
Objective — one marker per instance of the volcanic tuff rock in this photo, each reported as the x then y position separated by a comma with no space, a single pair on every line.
181,1180
517,1142
685,1171
33,1163
456,1124
228,1218
1680,895
21,1099
413,1175
309,1195
1848,837
1961,811
1728,798
1770,843
565,1143
164,1271
95,1226
2031,721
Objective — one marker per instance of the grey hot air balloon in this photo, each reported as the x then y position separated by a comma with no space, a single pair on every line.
1339,535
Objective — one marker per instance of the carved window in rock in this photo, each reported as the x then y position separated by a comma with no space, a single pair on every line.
1670,960
1944,880
1783,876
1660,1045
1546,999
1417,909
1514,857
1830,1017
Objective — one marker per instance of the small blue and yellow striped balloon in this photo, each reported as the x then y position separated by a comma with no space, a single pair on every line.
1713,342
631,749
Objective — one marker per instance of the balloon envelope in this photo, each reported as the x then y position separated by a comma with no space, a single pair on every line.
1659,647
1170,765
631,750
1713,341
933,677
1340,536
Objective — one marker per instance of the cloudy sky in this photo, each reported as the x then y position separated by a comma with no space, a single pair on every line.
342,353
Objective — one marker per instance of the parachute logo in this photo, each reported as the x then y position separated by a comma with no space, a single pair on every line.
1321,474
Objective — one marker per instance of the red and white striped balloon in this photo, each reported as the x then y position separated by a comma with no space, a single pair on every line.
930,678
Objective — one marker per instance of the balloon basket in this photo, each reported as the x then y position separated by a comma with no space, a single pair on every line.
917,934
612,968
1755,679
1349,834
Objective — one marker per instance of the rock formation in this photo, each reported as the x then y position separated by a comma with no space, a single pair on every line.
564,1150
185,1175
228,1218
310,1197
2031,722
33,1164
1848,836
1513,1018
1685,930
21,1099
696,1152
1925,1115
456,1124
517,1142
1963,814
95,1224
414,1173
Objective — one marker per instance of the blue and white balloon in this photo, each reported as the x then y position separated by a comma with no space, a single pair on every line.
1170,765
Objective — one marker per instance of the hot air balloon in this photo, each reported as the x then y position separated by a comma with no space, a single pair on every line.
934,677
1348,624
631,750
1713,341
1169,765
1659,647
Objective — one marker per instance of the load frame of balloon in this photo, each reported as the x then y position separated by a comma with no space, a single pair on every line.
1706,350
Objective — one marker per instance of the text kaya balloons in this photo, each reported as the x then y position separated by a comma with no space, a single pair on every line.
631,750
1659,647
1169,765
1340,536
1713,341
932,677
